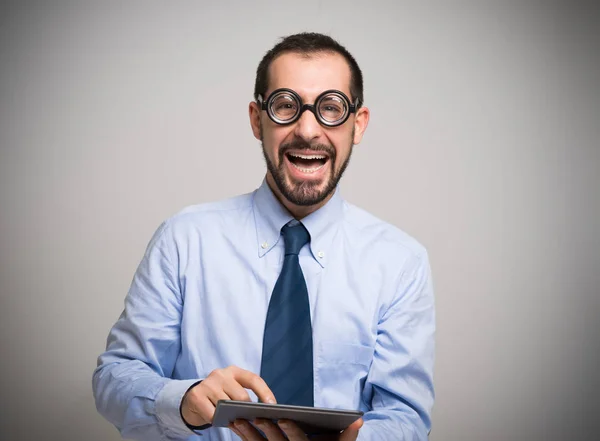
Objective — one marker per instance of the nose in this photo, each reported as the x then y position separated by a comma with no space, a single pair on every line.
307,126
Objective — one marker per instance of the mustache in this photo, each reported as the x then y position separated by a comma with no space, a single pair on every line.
303,145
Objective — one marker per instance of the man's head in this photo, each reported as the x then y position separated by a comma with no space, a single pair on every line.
306,157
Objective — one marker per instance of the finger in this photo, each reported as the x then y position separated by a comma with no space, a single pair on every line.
224,385
215,395
217,384
251,381
248,430
293,432
220,385
351,432
237,432
235,390
272,431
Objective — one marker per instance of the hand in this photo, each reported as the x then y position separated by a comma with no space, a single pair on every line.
247,432
198,404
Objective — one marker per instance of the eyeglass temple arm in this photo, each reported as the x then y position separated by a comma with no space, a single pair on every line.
261,102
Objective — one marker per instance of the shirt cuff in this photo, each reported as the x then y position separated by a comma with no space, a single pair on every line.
168,402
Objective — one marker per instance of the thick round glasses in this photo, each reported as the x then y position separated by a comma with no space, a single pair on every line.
331,108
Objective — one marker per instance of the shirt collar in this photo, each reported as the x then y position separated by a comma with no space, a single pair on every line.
271,216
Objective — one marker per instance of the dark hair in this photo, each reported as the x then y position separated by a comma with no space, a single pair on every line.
308,43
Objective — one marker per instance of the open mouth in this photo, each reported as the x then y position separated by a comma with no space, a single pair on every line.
307,163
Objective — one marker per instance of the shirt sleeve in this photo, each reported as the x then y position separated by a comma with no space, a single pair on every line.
399,387
132,385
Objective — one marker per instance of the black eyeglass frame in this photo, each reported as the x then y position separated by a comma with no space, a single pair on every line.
266,106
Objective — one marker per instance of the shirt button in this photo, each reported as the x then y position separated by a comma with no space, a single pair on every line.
321,254
264,245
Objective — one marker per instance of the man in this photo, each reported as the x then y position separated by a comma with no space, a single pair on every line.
288,294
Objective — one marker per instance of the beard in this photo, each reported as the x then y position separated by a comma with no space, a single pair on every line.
306,193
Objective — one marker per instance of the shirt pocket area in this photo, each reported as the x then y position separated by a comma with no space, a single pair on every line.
334,352
341,371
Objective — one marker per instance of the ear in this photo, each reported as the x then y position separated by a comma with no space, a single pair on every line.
361,121
254,113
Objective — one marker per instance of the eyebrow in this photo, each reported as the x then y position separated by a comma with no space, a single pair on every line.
268,93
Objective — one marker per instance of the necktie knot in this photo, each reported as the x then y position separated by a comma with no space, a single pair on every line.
294,237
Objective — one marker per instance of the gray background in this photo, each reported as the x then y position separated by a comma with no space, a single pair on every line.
483,144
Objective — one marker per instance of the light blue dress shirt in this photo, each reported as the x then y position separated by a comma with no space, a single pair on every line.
199,299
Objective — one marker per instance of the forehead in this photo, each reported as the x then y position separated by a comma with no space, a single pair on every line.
309,75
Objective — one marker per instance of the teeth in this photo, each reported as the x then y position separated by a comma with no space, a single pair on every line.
296,155
308,170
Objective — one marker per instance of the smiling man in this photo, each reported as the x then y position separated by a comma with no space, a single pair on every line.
288,294
307,147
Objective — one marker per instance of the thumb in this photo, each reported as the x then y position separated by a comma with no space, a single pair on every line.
351,432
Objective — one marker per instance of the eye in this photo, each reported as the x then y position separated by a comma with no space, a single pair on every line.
286,106
332,108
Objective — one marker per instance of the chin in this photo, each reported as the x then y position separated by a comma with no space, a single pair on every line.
306,196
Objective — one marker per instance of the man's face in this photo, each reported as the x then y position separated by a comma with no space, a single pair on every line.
305,160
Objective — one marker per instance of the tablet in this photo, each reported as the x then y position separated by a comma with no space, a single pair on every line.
313,420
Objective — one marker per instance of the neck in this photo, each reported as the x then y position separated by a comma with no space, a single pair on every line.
298,211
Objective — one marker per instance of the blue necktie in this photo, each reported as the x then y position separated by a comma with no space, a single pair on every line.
287,357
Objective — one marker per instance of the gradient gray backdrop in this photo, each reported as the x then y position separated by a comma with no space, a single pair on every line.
483,144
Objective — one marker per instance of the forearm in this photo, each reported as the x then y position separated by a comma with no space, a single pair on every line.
133,385
140,403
